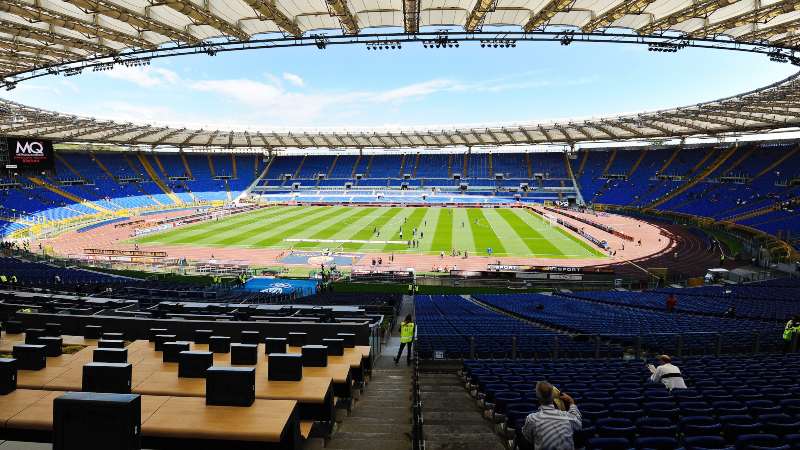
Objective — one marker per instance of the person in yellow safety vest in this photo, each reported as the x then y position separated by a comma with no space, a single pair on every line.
791,329
407,334
13,278
3,278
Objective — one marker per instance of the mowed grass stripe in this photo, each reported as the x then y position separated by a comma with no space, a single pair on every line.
508,234
429,229
367,232
413,221
462,231
443,237
569,245
247,236
183,233
299,227
344,223
216,232
532,238
483,234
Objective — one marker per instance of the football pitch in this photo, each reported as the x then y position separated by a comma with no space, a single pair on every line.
506,231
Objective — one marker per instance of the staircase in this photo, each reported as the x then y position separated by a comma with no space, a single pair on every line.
369,165
56,190
186,166
69,166
103,167
698,178
611,159
211,166
583,162
355,167
450,166
778,162
299,167
233,166
402,166
491,170
466,165
452,419
333,166
228,191
637,164
154,176
668,162
528,165
416,165
160,166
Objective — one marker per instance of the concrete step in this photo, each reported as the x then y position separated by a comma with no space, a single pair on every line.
397,419
450,444
376,437
448,417
338,443
379,411
361,427
442,388
458,429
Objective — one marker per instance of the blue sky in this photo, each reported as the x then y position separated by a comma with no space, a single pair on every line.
349,86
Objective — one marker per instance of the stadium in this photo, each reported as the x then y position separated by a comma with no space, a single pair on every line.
202,252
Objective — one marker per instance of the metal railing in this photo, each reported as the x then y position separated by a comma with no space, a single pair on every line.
417,421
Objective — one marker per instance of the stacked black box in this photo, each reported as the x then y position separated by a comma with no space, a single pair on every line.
110,355
92,421
194,364
230,386
274,345
335,346
297,339
202,336
172,349
30,357
107,377
53,345
250,337
285,367
109,343
8,375
14,327
32,335
348,338
92,331
244,354
159,340
219,344
53,329
315,356
155,332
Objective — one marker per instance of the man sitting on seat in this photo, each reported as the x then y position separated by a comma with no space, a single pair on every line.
667,373
550,428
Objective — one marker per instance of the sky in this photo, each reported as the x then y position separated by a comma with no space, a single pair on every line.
351,87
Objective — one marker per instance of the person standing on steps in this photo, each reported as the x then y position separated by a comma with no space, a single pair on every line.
407,334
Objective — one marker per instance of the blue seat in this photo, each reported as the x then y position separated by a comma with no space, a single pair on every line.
759,442
608,443
504,398
780,424
793,441
657,443
656,426
704,442
615,427
630,411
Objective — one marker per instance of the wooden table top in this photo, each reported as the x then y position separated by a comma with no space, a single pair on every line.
12,403
190,417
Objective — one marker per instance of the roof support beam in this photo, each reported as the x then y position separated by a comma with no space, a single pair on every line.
87,131
701,9
269,10
339,9
681,123
36,50
411,16
211,138
545,134
583,131
618,124
617,12
563,131
148,132
203,16
654,125
39,14
542,18
603,130
479,11
68,127
759,15
739,116
138,21
31,125
49,37
190,137
123,130
165,137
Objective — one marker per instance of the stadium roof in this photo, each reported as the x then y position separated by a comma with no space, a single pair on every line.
35,34
770,108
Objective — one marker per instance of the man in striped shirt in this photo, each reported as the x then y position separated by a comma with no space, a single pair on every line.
549,428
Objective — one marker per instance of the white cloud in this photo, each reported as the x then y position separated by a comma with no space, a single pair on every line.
143,76
416,90
294,79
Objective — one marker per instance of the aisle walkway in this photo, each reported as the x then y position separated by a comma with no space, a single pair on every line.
382,418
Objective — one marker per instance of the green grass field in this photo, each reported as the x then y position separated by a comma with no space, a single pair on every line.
508,231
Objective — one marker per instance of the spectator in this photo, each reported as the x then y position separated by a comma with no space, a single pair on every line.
407,334
791,330
730,312
550,428
672,301
667,373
